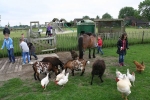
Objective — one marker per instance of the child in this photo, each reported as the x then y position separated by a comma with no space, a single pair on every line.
24,39
8,43
32,50
25,51
99,45
122,46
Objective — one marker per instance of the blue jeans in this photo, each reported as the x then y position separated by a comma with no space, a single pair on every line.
99,49
11,55
121,58
24,57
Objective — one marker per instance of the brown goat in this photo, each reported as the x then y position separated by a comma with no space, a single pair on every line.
78,65
74,55
98,68
43,67
54,61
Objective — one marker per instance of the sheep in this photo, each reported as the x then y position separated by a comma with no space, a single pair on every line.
54,61
78,65
74,55
98,68
43,67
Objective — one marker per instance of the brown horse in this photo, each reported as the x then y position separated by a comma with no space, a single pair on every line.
86,40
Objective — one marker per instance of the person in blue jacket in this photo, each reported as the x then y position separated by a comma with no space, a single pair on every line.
8,43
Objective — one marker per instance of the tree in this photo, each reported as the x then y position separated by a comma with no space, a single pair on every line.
144,9
106,16
137,14
97,17
126,11
86,17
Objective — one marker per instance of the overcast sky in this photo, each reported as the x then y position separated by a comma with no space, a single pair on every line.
18,12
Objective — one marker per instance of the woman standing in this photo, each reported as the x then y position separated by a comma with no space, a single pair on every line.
48,30
122,45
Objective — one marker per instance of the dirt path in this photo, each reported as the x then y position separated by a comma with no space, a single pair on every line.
9,71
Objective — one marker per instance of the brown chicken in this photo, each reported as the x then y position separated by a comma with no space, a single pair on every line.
139,66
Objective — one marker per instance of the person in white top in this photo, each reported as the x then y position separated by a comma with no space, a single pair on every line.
25,51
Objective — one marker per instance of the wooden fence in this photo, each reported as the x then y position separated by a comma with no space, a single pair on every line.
66,42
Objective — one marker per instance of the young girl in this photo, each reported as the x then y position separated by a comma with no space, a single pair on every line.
122,45
99,45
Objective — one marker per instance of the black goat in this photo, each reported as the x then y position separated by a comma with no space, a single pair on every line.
98,68
54,61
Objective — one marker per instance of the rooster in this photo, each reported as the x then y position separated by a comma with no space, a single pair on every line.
131,76
63,81
123,86
60,76
139,67
45,81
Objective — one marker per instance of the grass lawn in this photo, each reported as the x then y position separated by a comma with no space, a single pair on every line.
79,88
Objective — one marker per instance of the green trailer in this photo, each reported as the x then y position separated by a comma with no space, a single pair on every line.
86,26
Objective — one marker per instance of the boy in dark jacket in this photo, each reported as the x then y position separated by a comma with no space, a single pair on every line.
32,50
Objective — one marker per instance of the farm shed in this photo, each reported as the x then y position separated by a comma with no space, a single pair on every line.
110,27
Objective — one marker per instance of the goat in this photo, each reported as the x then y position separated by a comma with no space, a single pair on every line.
54,61
78,65
98,68
74,55
43,67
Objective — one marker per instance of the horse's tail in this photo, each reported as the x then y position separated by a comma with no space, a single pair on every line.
80,47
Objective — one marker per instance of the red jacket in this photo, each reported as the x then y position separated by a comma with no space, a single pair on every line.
100,42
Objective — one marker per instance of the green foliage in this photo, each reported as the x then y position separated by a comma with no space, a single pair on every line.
144,9
137,14
86,17
126,11
97,17
106,16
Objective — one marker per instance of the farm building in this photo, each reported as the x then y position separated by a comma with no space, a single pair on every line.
130,20
109,27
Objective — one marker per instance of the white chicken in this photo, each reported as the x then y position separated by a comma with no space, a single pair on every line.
63,81
45,81
60,75
131,76
119,75
123,86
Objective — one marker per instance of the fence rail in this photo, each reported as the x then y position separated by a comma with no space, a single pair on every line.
66,42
